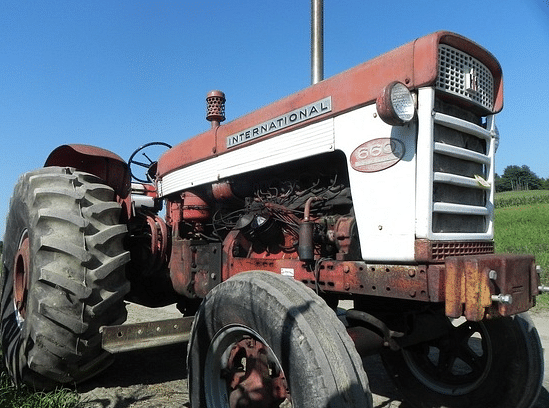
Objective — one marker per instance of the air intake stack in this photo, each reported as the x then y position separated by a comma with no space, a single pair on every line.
215,101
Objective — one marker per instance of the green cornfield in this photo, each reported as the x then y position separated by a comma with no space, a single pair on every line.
518,198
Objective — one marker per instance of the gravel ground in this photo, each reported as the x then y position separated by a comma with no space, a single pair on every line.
158,377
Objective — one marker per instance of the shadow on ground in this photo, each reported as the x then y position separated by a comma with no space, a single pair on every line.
387,396
146,367
146,378
158,378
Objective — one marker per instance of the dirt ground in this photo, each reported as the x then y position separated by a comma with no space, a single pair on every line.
157,378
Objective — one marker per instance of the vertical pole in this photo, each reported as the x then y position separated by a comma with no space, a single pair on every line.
317,41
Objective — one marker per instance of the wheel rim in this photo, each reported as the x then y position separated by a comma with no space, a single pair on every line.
21,278
454,364
242,371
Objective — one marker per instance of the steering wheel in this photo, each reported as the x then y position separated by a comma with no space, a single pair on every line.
150,166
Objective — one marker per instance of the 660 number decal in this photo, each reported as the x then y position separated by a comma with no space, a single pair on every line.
377,154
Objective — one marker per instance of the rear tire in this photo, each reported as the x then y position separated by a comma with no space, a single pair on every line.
63,277
261,340
489,364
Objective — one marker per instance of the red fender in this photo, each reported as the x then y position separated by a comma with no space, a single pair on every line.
100,162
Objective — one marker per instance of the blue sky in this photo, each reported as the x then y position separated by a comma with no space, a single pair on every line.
118,74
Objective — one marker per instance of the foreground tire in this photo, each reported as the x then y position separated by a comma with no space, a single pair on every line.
63,277
262,340
494,363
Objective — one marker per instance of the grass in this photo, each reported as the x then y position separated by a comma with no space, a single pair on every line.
521,226
13,397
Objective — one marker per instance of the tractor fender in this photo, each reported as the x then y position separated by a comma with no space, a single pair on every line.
100,162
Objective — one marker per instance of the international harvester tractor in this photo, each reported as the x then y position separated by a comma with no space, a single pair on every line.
374,186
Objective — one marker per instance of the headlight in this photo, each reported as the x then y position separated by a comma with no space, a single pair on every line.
396,104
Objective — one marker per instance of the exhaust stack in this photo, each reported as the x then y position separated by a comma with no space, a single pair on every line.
317,41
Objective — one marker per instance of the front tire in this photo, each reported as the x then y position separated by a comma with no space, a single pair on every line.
489,364
262,340
63,277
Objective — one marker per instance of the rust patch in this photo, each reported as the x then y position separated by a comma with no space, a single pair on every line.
472,280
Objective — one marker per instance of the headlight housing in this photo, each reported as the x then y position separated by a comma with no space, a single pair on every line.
396,105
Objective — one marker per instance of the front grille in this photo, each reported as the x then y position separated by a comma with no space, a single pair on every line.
460,160
441,250
465,76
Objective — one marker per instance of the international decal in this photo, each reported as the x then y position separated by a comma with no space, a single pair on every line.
310,111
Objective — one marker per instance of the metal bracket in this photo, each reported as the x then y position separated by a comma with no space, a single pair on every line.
371,321
129,337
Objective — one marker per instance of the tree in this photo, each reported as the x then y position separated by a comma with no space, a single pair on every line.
517,178
499,183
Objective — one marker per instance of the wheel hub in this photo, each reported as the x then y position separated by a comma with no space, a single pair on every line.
454,364
253,379
21,276
241,370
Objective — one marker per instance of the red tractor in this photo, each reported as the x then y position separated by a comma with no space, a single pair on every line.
374,186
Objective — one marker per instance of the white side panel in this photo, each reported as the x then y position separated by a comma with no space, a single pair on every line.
384,201
309,141
424,200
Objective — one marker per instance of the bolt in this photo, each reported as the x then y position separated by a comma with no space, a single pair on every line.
413,293
347,286
493,275
503,299
411,273
346,269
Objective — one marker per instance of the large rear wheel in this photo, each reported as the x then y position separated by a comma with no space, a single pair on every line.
63,277
262,340
488,364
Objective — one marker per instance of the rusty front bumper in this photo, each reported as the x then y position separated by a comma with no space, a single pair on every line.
490,285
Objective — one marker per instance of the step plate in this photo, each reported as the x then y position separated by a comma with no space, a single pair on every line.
129,337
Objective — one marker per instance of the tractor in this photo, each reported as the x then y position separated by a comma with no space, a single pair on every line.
374,187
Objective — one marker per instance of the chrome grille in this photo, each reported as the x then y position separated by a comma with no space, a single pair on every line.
460,160
464,76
